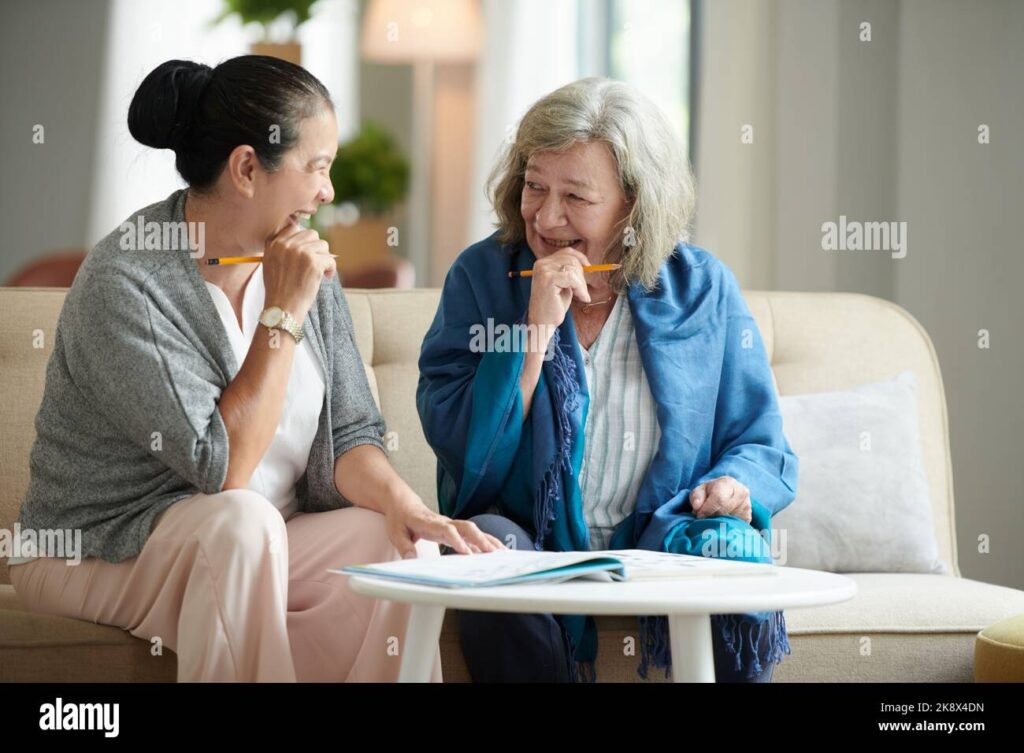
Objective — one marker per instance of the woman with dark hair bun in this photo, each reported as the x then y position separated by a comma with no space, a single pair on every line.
207,431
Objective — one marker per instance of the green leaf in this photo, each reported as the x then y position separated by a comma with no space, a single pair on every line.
370,171
266,11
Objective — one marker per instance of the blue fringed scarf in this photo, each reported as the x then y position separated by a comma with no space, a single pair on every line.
717,411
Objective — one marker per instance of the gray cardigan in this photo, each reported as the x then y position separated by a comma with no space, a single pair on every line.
129,422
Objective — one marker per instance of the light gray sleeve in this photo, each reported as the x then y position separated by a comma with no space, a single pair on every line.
355,419
148,379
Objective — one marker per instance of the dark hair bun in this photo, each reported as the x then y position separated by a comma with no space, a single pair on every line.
165,103
204,114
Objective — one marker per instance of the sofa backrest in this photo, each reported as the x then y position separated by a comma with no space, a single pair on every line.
816,342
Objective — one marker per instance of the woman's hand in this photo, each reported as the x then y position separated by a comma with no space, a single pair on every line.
409,521
556,279
294,262
721,496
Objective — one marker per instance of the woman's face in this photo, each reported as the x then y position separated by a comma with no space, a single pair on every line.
573,198
303,181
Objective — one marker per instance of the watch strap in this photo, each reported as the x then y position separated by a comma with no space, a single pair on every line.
292,326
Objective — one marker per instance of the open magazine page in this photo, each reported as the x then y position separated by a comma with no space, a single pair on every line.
492,568
523,566
643,564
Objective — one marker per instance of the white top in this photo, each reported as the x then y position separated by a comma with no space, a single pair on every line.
286,458
621,433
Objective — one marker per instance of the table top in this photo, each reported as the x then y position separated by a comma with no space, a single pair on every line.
788,588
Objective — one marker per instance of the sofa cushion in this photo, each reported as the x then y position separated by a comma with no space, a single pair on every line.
48,648
390,327
836,341
902,627
862,504
910,603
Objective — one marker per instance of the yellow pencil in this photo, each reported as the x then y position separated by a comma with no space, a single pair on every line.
586,268
215,262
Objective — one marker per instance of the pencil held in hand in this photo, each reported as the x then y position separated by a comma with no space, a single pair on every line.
586,268
241,260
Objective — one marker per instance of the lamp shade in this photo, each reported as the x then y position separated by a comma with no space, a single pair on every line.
406,31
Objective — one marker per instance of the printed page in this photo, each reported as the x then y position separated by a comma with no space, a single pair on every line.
476,569
643,564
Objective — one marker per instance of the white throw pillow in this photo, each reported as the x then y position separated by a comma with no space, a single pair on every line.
862,502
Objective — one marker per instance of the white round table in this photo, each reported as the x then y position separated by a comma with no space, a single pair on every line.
688,603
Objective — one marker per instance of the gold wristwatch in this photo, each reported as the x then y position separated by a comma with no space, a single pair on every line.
275,317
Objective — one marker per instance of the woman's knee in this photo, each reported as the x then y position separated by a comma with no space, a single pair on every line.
510,534
242,521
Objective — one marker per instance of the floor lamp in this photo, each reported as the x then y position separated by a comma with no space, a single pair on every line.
422,33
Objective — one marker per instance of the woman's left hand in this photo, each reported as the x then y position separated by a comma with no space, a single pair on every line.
721,496
411,520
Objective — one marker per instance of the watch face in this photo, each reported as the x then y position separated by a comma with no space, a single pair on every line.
271,317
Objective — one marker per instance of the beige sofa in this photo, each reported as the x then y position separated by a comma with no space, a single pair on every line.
920,627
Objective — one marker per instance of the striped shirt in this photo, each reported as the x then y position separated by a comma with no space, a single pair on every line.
621,433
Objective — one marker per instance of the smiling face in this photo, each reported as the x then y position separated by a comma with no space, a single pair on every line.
573,198
303,181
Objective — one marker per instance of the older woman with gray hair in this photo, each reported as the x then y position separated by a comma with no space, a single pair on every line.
634,408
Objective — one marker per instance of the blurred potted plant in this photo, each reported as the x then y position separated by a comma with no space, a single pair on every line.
371,178
272,14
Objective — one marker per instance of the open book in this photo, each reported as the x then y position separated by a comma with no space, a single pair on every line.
509,567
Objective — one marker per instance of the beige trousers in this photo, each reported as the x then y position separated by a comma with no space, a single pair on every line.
241,595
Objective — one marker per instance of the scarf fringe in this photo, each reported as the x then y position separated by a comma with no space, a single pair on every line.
565,391
544,506
655,647
584,671
579,671
742,637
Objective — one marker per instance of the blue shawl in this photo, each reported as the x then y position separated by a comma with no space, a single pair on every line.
716,407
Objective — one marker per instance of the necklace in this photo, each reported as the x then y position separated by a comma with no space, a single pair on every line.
587,306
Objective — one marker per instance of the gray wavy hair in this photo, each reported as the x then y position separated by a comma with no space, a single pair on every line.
654,172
